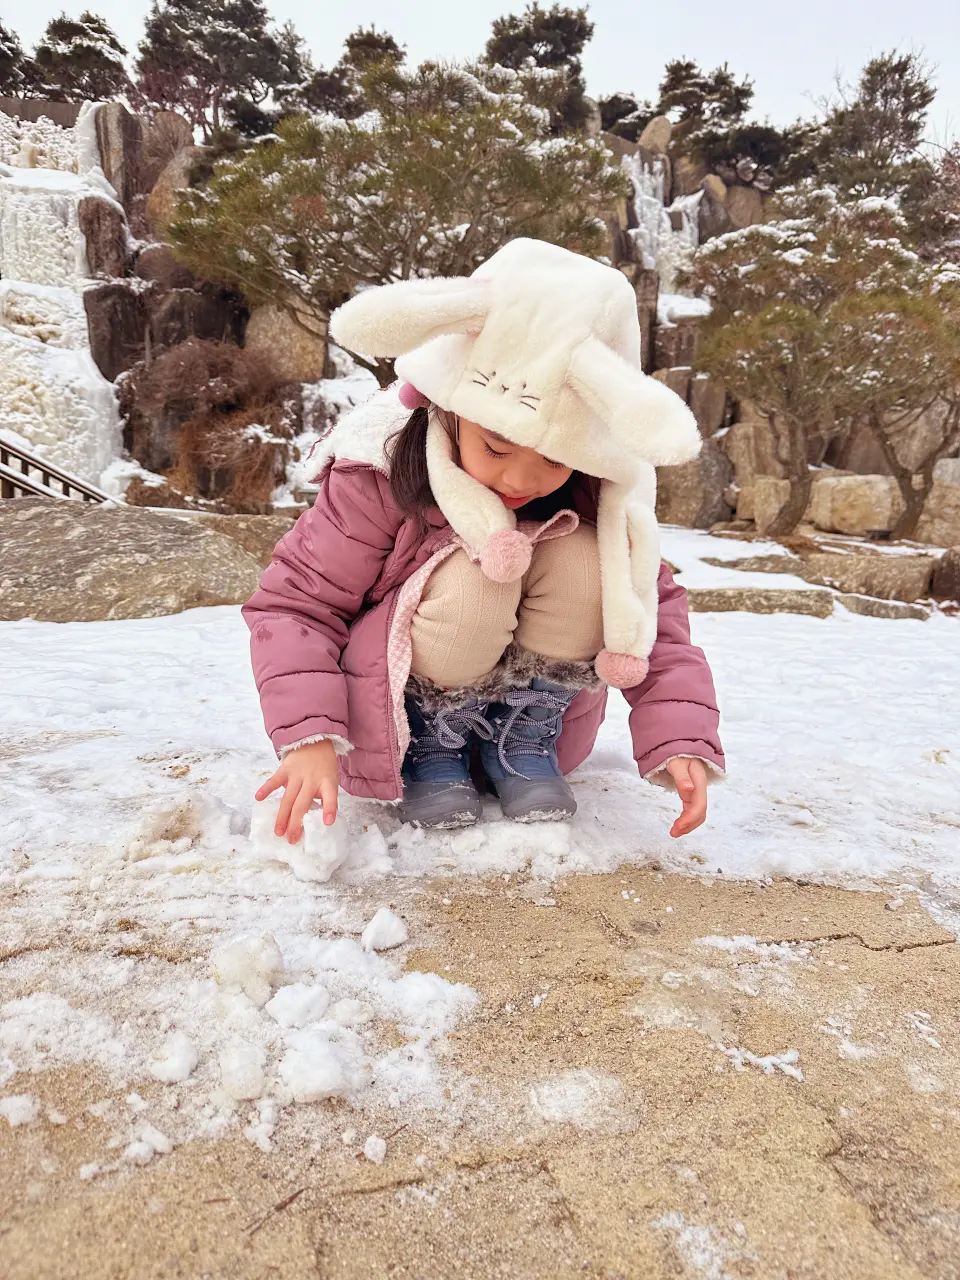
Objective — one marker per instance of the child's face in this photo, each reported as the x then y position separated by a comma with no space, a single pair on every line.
517,474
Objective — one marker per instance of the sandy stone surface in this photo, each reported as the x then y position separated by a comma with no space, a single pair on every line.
630,1113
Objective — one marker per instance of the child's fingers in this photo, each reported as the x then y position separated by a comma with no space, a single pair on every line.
271,785
328,794
692,789
294,788
303,802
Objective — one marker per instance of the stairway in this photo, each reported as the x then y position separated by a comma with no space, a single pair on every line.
23,474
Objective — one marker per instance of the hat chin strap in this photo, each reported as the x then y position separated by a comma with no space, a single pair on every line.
628,540
475,512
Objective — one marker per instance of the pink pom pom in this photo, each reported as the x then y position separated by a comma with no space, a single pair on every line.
621,670
506,556
411,398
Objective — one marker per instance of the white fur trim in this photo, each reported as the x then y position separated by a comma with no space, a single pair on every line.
362,434
628,539
661,778
340,745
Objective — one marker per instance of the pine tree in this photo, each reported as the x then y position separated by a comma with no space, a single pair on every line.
339,91
829,321
80,60
869,139
17,72
697,102
552,39
198,56
449,163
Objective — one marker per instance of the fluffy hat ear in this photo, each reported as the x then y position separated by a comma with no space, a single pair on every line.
646,417
396,318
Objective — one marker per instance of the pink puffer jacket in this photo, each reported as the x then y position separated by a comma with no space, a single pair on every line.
330,643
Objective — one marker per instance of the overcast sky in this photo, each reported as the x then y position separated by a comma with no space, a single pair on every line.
792,53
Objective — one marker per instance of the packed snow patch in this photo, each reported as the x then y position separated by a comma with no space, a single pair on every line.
384,932
585,1099
18,1109
320,851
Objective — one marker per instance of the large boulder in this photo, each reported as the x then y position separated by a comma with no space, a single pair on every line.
76,562
116,325
858,452
940,522
678,380
751,447
174,178
946,575
813,603
885,577
694,494
676,344
120,142
297,350
708,403
256,535
856,505
713,218
688,176
769,496
209,313
157,264
104,229
656,135
744,206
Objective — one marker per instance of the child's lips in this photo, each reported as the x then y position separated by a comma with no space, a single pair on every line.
513,503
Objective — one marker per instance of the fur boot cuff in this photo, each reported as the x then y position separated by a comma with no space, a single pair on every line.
523,666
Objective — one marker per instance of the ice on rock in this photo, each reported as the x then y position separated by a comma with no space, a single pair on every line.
384,932
177,1060
251,965
298,1004
375,1149
319,852
241,1071
19,1108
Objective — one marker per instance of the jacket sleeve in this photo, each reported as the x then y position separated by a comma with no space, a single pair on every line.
309,594
674,711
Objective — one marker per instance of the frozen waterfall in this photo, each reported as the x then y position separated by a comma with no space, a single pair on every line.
52,395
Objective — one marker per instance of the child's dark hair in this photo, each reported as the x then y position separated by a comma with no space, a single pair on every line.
409,479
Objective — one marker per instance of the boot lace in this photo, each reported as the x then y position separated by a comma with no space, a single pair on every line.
449,730
521,701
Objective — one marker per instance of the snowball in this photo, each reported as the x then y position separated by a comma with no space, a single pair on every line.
298,1004
311,1069
254,965
241,1071
139,1152
351,1013
319,852
147,1133
177,1060
19,1108
375,1149
348,1137
384,931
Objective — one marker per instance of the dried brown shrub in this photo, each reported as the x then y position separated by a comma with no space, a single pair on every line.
219,416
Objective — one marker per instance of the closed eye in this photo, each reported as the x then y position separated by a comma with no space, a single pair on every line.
493,453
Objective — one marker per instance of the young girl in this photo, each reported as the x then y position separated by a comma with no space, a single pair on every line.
482,559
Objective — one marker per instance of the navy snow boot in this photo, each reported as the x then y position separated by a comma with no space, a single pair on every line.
438,790
521,760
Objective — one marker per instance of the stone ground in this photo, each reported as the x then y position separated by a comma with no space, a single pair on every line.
678,1159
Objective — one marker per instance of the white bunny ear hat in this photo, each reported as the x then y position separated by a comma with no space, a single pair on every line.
542,346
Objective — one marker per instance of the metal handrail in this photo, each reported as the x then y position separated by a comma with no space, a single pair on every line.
14,480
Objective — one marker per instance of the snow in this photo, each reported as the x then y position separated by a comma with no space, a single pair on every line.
686,550
375,1149
384,932
672,307
129,754
18,1109
586,1099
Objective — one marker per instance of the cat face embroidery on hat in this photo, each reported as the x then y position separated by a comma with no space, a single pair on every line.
542,346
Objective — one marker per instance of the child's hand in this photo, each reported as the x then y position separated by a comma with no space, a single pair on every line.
691,779
305,773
